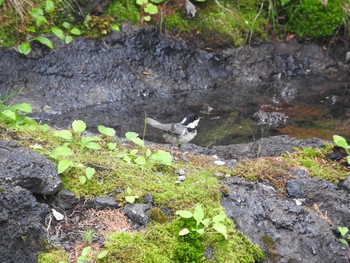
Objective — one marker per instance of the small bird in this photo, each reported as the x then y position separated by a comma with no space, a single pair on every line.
178,133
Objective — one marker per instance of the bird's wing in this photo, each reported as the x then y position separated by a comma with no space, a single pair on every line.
158,125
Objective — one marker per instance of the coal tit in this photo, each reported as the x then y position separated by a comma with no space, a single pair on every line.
178,133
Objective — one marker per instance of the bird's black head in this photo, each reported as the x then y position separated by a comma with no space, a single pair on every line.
191,121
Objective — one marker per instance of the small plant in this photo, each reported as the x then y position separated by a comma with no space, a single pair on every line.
202,223
89,236
85,255
345,237
11,113
89,172
149,8
341,142
130,198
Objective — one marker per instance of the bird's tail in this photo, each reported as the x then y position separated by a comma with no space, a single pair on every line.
157,124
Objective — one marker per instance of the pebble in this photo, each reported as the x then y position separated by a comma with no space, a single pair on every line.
57,215
221,163
181,178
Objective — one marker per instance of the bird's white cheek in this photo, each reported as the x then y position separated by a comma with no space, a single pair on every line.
193,125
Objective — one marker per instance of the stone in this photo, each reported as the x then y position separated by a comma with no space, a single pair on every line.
28,169
138,213
67,200
345,184
149,199
105,202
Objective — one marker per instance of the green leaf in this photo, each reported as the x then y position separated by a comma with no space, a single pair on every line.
93,146
45,127
9,114
200,231
78,126
156,1
58,32
43,40
68,39
344,241
31,29
206,222
147,18
49,6
40,20
112,146
106,131
24,48
64,134
36,12
133,136
130,198
141,2
151,9
61,151
86,251
219,218
343,230
184,213
198,214
115,27
1,2
102,254
64,165
220,228
82,179
162,157
140,160
148,153
87,139
184,232
348,159
75,31
66,25
128,191
340,141
25,107
133,152
89,172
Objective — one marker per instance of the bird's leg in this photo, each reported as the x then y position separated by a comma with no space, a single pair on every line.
183,155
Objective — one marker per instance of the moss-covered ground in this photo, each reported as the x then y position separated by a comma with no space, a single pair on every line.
160,240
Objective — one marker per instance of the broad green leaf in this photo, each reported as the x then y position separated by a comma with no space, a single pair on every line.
106,130
133,152
45,127
24,48
162,157
128,191
64,165
344,241
49,6
133,136
206,222
43,40
148,153
140,160
151,9
340,141
58,32
184,232
36,12
9,114
66,25
25,107
64,134
115,27
87,139
75,31
68,39
82,179
130,198
40,20
1,2
147,18
86,251
78,126
348,159
112,146
343,230
156,1
200,231
61,151
93,146
31,29
102,254
219,218
141,2
89,172
184,213
198,214
127,159
220,228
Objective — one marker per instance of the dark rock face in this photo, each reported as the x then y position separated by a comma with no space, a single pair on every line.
66,200
286,231
331,199
30,170
22,233
138,213
104,202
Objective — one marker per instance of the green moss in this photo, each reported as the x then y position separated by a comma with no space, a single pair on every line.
124,11
176,22
314,18
55,256
158,215
271,249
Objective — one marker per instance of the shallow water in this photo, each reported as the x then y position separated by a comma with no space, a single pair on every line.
302,107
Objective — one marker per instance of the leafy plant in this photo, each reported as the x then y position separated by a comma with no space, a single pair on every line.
88,236
202,223
345,237
341,142
148,8
130,198
89,172
12,114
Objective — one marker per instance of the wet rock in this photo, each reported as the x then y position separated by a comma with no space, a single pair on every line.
345,184
275,223
272,119
331,200
22,233
138,213
101,203
28,169
67,200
